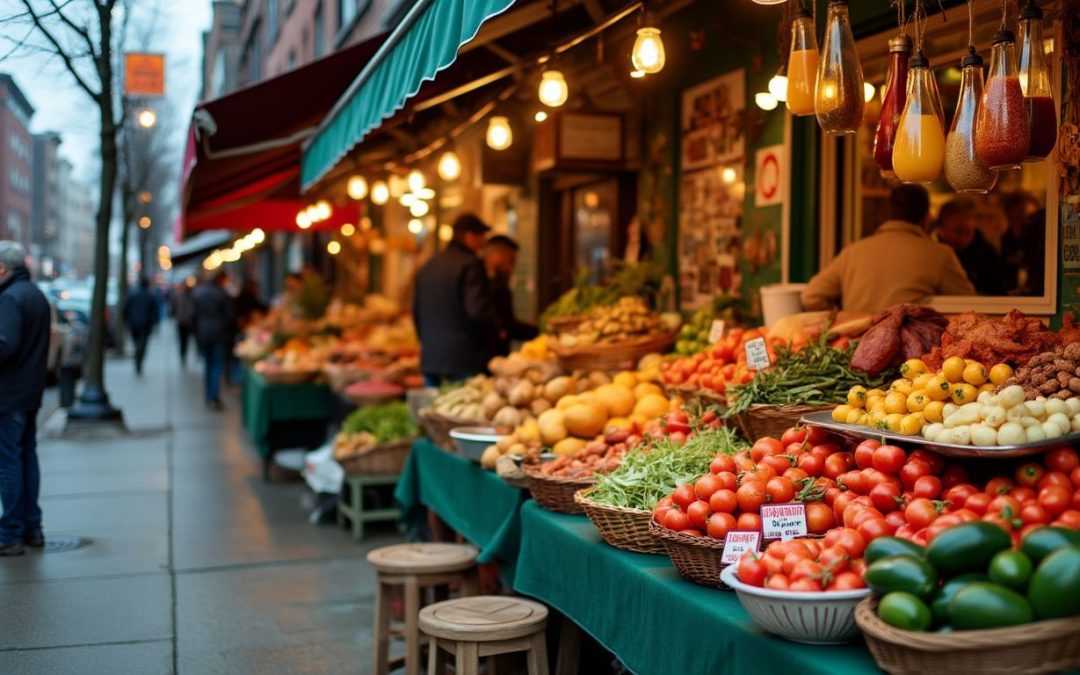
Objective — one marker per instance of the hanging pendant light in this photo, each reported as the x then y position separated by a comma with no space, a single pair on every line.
892,104
357,188
963,170
919,148
499,134
380,192
1034,77
1002,129
416,180
839,99
648,54
802,64
449,166
778,85
765,100
769,2
553,90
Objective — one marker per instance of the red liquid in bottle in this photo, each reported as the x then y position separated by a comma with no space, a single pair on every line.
891,107
1044,126
1003,131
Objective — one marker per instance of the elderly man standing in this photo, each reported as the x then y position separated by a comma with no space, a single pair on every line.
24,343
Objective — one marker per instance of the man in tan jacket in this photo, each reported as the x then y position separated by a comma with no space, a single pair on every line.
898,263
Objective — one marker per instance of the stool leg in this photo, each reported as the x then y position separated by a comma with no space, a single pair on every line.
470,583
566,662
436,658
358,511
412,627
381,653
467,659
537,655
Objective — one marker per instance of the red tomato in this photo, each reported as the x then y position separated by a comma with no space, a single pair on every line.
834,559
847,538
1005,506
795,449
823,450
723,501
691,532
905,531
793,557
978,502
765,446
819,518
1076,499
896,520
806,585
743,462
998,486
861,515
816,435
1034,513
920,537
751,495
748,521
813,465
864,453
846,581
722,462
794,435
958,494
720,524
773,565
885,497
1055,499
698,512
913,470
795,474
935,461
1074,477
666,501
684,496
1070,518
761,474
1064,460
941,524
1029,474
920,512
778,463
889,458
728,480
966,515
1055,478
1023,494
676,519
1003,523
855,481
954,474
841,502
780,490
927,486
778,582
838,463
751,571
805,569
705,486
875,478
872,528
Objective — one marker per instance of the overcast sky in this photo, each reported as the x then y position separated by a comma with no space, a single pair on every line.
61,106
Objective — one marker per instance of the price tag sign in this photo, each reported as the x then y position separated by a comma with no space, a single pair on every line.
716,331
783,521
757,354
738,542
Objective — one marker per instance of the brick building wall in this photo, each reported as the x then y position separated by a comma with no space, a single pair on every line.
16,162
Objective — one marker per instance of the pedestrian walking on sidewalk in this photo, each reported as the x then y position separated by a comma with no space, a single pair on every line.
212,323
141,312
24,344
182,313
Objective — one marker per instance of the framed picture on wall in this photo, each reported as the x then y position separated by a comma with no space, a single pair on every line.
710,234
712,121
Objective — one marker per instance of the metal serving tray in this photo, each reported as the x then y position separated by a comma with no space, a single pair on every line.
825,421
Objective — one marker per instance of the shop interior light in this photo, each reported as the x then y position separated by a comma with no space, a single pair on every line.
416,180
553,89
357,187
365,223
638,74
729,175
258,235
348,230
499,134
145,197
146,118
765,100
407,199
769,2
446,232
302,220
333,248
416,226
778,85
419,208
540,116
424,193
648,52
398,186
145,222
377,246
869,91
163,251
322,209
380,192
449,166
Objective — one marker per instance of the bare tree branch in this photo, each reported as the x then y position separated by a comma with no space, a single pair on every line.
82,32
39,23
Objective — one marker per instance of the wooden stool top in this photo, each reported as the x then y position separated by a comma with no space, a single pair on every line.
483,618
420,558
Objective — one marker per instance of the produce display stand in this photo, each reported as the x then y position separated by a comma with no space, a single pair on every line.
279,416
564,563
476,503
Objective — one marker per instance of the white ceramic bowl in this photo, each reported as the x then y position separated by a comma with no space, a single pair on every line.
811,618
472,441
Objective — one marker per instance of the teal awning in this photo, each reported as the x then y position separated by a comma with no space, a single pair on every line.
426,42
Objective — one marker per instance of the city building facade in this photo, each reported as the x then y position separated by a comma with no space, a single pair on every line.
16,162
46,199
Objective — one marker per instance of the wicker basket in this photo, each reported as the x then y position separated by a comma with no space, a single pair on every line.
772,420
624,528
689,392
388,458
437,427
555,493
696,558
611,356
1041,647
340,376
288,377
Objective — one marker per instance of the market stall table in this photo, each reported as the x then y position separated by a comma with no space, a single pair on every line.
641,610
474,502
279,416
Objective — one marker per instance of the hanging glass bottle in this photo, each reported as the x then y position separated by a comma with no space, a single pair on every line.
919,146
1002,128
892,104
802,64
963,169
839,98
1034,76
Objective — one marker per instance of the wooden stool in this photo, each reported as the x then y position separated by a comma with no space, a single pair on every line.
485,625
415,567
351,502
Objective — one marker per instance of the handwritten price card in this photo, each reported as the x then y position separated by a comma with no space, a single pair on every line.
783,521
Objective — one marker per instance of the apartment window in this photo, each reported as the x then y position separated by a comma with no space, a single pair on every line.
273,12
318,31
18,181
14,225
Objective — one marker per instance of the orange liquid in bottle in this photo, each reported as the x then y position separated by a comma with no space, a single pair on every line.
919,150
802,77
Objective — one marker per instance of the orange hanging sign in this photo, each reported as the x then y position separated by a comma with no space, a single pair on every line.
144,74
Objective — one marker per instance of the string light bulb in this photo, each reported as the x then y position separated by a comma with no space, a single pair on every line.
648,54
499,134
765,100
333,248
380,192
348,230
322,209
416,180
540,116
416,226
302,220
419,208
449,166
637,74
553,89
869,91
778,85
357,187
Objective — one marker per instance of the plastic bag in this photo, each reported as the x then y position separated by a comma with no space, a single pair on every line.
322,473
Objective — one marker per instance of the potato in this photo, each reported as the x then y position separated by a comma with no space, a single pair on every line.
1011,395
1035,433
1036,409
1074,405
983,435
521,394
961,436
1051,429
539,405
994,416
507,417
1011,433
1056,406
931,432
1064,424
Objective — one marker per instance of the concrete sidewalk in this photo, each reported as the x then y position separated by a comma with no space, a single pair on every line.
193,565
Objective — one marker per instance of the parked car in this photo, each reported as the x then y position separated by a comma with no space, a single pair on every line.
67,339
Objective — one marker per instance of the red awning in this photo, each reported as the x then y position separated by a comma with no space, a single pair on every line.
242,161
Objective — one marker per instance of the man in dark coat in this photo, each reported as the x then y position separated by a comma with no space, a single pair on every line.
500,258
452,308
957,226
24,343
141,313
212,324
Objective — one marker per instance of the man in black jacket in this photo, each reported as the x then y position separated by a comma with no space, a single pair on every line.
24,343
212,323
452,308
141,313
500,258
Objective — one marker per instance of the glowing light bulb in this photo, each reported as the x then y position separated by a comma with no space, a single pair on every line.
540,116
407,199
553,90
869,91
380,192
312,212
499,134
333,248
303,221
416,226
322,207
258,235
446,232
648,52
638,74
357,187
365,223
728,175
449,166
348,230
146,118
145,222
419,208
778,87
416,180
765,100
424,193
398,186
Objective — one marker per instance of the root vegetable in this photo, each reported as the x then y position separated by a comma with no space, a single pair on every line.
1051,429
983,435
1011,433
1064,424
1035,433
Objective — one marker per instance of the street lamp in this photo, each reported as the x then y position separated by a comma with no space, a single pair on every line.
146,118
145,222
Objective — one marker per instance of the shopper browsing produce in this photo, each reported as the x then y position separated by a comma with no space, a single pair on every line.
500,258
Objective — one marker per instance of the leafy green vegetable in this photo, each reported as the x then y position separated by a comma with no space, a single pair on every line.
650,472
642,279
387,422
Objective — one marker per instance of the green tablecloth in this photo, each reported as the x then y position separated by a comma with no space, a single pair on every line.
640,609
265,404
474,502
